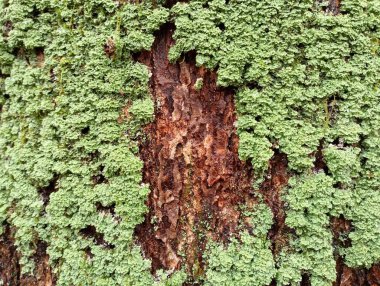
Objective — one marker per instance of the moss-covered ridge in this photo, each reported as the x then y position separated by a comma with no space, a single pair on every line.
69,170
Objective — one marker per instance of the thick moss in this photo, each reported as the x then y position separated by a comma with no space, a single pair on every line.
67,165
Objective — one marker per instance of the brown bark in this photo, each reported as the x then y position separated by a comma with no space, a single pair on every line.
9,268
347,276
190,161
271,190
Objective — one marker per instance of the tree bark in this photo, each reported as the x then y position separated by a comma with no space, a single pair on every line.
196,178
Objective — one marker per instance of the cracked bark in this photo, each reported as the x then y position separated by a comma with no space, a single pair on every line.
197,181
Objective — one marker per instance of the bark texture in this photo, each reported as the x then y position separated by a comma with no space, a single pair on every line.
191,161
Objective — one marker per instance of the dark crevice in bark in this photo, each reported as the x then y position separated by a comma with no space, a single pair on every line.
331,6
319,162
9,266
43,275
347,276
305,280
108,210
45,192
91,233
170,3
341,227
271,190
190,161
99,177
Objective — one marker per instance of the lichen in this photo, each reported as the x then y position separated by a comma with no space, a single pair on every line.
198,84
245,261
310,201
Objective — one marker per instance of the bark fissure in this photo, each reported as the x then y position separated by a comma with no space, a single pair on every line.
10,269
271,190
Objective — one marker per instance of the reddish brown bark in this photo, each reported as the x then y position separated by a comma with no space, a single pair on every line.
191,161
9,268
332,7
347,276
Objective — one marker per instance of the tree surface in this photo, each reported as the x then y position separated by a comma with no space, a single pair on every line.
201,142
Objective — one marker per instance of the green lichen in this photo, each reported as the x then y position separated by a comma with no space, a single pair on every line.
310,200
140,113
363,209
198,84
343,163
246,261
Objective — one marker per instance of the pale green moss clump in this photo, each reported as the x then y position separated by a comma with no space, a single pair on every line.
343,163
310,201
198,84
364,207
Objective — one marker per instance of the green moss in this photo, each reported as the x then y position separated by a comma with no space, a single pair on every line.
343,163
310,200
198,84
176,279
364,207
140,113
245,261
60,134
256,149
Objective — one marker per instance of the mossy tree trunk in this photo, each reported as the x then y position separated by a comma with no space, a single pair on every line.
200,188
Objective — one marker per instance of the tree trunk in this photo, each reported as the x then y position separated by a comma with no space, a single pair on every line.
197,181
